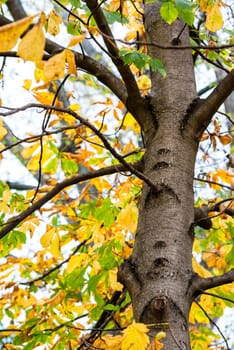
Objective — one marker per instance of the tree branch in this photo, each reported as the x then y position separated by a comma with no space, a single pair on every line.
205,109
13,222
83,121
135,102
200,284
128,92
88,64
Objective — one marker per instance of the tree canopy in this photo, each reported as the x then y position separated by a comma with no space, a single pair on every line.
89,260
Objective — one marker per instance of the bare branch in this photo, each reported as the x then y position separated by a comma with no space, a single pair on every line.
200,284
205,109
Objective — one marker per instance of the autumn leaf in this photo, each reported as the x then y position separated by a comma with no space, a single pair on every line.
10,33
32,45
55,66
214,19
3,131
157,340
77,39
225,139
53,23
70,59
135,337
127,218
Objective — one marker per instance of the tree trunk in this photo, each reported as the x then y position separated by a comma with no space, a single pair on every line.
159,272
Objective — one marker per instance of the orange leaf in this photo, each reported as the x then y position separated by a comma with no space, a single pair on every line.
225,139
76,40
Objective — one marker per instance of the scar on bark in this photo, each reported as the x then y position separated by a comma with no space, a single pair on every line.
162,165
154,194
160,244
163,151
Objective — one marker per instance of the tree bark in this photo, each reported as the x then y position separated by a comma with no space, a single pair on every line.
159,272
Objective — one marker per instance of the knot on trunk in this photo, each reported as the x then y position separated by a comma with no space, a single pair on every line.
158,304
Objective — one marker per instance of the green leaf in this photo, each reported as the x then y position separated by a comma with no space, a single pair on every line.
111,307
74,28
157,66
139,59
69,166
113,17
93,281
106,213
10,314
75,3
168,12
52,166
186,10
75,280
20,237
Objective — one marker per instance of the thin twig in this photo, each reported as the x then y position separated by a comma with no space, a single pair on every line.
214,183
47,273
95,130
217,296
214,324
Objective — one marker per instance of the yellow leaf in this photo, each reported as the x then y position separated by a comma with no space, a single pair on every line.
113,283
214,19
54,67
144,82
76,40
203,5
3,131
27,84
55,247
46,97
10,33
32,45
200,270
70,59
54,20
76,261
157,340
135,337
130,123
74,107
108,342
128,218
28,152
47,237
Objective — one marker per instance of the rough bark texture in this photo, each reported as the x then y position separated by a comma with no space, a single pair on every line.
159,272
